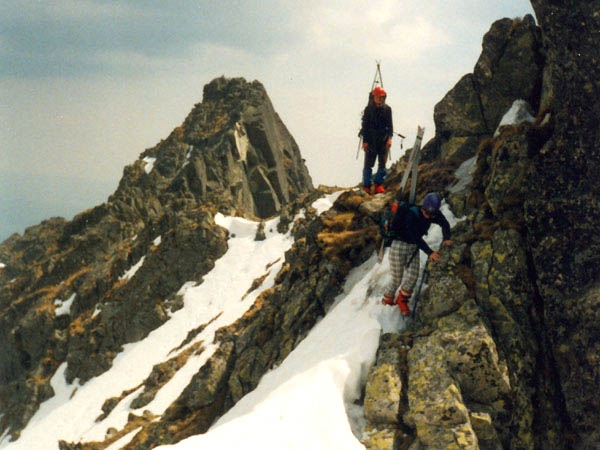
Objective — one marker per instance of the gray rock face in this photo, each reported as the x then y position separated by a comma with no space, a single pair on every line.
234,151
562,210
509,68
232,154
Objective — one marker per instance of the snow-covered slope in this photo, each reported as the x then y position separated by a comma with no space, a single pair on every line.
306,402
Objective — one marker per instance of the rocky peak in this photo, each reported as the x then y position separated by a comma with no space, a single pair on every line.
76,291
232,150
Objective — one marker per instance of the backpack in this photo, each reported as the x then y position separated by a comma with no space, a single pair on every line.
392,221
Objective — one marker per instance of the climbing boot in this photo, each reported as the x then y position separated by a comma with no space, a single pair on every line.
402,302
379,189
387,300
367,189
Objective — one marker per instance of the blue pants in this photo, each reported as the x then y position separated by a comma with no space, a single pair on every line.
370,156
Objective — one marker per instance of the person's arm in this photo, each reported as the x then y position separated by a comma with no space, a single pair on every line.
390,126
440,219
412,227
366,121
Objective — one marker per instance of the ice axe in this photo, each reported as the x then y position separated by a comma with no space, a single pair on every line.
424,278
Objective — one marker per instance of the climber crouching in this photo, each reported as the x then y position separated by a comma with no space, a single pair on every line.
409,231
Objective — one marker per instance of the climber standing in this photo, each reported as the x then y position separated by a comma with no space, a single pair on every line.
376,132
409,227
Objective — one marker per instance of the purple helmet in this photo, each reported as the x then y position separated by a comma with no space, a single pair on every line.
432,203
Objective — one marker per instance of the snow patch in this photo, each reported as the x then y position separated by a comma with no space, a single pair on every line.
187,156
64,307
241,141
325,203
464,174
518,113
149,163
309,400
121,442
131,272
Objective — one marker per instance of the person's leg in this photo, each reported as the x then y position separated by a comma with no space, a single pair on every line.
396,270
410,262
381,170
370,157
412,270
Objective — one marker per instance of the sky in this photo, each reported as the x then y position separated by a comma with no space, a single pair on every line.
308,401
87,85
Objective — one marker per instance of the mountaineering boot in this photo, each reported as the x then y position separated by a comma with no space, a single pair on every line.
402,302
367,189
387,300
379,189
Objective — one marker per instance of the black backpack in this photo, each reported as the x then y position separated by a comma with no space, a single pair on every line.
392,221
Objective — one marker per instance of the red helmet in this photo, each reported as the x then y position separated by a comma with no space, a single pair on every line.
379,92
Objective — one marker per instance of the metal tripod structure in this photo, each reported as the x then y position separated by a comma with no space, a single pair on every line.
377,79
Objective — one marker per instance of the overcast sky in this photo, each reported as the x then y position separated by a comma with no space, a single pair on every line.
87,85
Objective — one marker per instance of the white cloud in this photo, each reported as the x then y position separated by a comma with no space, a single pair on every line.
382,30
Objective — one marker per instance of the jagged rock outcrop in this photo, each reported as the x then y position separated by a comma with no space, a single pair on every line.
509,68
76,291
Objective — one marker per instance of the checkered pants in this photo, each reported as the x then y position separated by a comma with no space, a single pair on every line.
400,254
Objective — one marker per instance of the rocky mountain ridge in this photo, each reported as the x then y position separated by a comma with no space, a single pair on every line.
507,336
232,154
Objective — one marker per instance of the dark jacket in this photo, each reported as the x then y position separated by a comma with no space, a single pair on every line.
377,125
413,226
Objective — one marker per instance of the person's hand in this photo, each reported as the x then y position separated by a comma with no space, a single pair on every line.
388,144
447,243
365,146
434,256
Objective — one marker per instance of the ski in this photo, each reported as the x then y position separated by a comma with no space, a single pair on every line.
413,165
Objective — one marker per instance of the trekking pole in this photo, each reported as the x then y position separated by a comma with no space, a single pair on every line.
359,145
424,278
401,136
